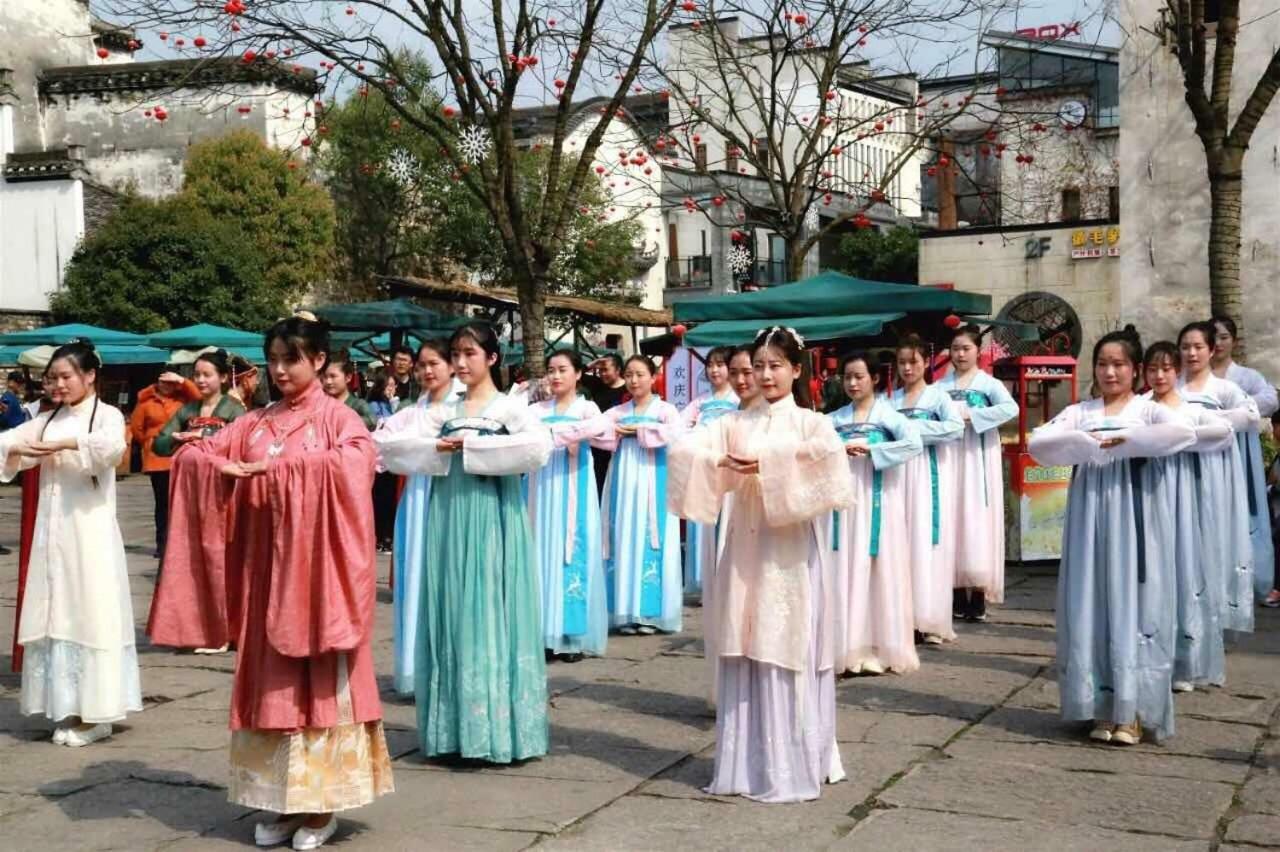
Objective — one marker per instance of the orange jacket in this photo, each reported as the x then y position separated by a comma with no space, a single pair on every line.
150,415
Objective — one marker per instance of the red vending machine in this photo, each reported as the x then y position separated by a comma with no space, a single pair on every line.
1035,505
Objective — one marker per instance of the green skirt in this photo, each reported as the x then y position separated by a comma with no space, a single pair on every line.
481,679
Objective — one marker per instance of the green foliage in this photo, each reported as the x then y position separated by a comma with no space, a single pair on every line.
891,255
155,265
246,237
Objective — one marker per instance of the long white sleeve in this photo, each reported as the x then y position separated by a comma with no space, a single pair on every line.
1062,442
526,446
410,448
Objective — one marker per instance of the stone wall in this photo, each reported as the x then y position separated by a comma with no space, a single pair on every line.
34,35
1164,188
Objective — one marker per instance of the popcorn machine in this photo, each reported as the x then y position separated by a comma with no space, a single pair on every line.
1035,505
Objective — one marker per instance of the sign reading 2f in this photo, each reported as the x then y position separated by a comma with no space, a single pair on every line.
1051,32
1037,247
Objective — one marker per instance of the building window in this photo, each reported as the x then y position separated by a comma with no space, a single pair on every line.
762,154
700,158
1070,205
1113,203
731,159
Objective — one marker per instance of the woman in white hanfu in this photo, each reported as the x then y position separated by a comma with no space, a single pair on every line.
1116,586
565,516
701,542
929,518
974,468
872,575
81,667
769,612
1236,546
641,537
1264,396
1177,486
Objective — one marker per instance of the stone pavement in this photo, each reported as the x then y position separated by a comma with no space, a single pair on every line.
968,753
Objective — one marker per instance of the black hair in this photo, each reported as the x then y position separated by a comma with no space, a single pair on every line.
916,344
1206,329
15,376
1163,349
721,353
486,337
1226,322
787,342
1129,340
970,331
301,336
438,345
745,349
401,350
378,384
872,362
616,360
342,360
642,359
217,359
85,358
574,359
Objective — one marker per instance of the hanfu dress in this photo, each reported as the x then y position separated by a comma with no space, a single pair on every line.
701,540
1115,610
76,621
1263,396
641,536
769,617
1177,491
480,680
975,480
306,718
874,618
929,515
564,511
1230,502
408,554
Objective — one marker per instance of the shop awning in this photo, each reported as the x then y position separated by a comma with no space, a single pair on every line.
112,355
812,329
387,315
203,334
830,294
56,335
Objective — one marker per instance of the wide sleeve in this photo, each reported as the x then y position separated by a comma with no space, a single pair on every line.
1260,390
663,433
1213,432
526,446
804,475
1002,409
164,445
1061,442
906,443
406,443
1164,434
323,585
21,436
689,414
592,428
947,427
366,414
696,484
100,450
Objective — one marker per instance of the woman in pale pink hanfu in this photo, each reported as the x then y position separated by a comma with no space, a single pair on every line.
769,615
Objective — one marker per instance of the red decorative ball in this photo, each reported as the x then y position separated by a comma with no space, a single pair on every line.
679,329
103,53
952,321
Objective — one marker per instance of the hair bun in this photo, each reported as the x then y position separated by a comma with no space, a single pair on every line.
306,315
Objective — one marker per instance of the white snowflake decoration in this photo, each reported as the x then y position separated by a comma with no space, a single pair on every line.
811,218
474,144
739,260
402,166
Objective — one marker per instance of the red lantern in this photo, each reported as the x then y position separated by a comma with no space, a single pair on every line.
559,84
164,36
103,53
952,321
306,141
800,19
689,6
449,112
679,330
249,56
199,41
161,115
718,201
831,96
134,44
180,42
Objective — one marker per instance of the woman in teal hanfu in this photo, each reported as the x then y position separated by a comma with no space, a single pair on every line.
480,679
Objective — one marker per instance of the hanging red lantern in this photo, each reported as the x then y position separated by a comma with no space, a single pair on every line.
448,112
180,41
164,36
952,321
559,84
134,44
103,53
831,96
689,6
199,41
249,57
161,115
306,141
800,18
718,201
679,329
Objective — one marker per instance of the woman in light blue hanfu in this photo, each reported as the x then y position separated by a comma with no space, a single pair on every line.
435,378
872,577
641,536
1176,484
1234,544
929,509
565,515
1115,611
481,678
974,467
701,541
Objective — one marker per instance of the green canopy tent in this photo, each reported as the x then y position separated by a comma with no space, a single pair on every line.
56,335
112,355
383,325
246,344
830,295
513,355
812,329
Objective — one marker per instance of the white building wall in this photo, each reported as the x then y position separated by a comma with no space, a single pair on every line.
40,224
1164,189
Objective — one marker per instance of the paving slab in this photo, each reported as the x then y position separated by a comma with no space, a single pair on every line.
1255,829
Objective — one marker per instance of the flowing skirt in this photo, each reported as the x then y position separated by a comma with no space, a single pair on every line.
481,680
1225,520
408,567
1115,609
62,679
701,542
776,728
924,491
975,494
1264,578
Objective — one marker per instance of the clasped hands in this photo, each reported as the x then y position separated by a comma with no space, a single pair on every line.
1105,440
40,449
739,464
244,470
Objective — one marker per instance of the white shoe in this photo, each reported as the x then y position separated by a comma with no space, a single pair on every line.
932,639
60,735
275,832
77,738
646,630
314,838
221,650
872,667
627,630
1183,686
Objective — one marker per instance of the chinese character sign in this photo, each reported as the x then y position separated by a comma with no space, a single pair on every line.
686,376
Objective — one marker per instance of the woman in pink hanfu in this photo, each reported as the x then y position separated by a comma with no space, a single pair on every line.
768,615
293,480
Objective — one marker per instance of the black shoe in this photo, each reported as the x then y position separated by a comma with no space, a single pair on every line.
977,606
570,658
4,551
960,604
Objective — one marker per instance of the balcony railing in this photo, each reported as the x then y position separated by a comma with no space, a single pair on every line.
689,272
770,272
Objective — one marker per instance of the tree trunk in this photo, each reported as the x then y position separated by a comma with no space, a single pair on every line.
796,255
533,319
1226,182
